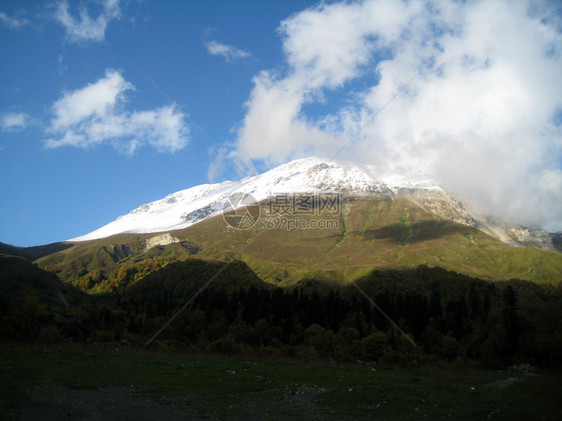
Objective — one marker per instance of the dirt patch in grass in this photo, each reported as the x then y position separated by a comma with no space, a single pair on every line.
50,401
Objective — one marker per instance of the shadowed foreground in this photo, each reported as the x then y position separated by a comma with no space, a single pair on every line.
109,383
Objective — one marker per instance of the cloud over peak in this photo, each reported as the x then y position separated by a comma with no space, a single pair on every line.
481,116
96,114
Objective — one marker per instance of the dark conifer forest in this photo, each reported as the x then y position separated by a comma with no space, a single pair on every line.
425,314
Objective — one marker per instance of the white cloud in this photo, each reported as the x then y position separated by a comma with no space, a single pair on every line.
273,127
85,28
95,114
13,23
96,99
479,117
14,121
228,52
328,45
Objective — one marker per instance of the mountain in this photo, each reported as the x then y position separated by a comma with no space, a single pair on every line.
33,253
187,207
353,223
313,175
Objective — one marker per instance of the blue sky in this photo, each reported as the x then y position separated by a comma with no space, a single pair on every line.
86,136
51,194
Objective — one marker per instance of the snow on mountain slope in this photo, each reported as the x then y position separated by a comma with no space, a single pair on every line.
309,175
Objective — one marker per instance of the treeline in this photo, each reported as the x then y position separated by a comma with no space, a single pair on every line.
421,314
448,316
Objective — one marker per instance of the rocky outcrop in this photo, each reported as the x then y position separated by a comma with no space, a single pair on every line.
119,251
161,240
202,213
532,238
444,205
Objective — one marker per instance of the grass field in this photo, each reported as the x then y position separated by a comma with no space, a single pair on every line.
123,383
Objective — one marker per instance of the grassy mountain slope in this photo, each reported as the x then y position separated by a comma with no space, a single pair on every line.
371,233
376,233
105,256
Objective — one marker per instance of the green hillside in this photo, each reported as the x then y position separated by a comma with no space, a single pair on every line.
371,233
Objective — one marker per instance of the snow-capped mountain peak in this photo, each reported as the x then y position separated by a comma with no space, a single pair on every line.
310,175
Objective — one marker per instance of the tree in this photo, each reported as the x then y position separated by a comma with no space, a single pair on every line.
510,320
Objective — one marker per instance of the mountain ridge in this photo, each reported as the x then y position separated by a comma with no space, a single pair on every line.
184,208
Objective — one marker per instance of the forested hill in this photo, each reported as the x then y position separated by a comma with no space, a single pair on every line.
446,315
